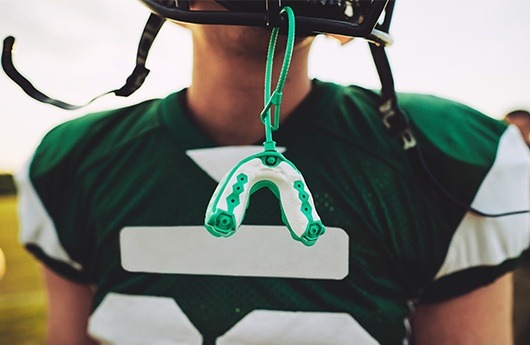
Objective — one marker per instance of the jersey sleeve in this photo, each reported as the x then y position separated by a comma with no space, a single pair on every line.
486,165
37,230
50,204
57,203
486,247
58,221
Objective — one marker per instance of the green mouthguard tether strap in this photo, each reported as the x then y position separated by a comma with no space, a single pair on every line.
269,168
276,97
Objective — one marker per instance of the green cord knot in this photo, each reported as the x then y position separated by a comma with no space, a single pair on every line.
276,97
276,100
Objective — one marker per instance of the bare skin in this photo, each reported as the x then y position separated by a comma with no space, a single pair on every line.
226,94
523,123
69,306
225,99
483,316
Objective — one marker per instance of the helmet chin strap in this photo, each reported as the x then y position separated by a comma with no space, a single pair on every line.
180,10
133,82
393,117
398,125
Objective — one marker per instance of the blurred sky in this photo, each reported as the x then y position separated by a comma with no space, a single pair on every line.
473,51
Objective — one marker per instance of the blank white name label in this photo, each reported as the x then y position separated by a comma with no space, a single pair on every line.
254,251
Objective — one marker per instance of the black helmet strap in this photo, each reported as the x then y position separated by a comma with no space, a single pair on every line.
133,82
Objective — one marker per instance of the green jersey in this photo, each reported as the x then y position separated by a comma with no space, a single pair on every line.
117,199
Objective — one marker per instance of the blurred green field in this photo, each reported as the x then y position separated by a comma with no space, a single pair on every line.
22,298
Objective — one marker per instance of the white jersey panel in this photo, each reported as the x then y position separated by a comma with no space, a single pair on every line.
217,161
36,225
254,251
137,320
269,327
488,241
141,320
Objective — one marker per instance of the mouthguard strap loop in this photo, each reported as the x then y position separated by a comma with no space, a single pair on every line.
276,97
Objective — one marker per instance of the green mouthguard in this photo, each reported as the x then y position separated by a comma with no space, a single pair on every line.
269,169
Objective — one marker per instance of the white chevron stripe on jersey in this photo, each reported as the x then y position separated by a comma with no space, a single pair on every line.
217,161
269,327
36,225
483,241
159,320
140,320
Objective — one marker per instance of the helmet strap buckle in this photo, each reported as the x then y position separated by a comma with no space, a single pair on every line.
274,18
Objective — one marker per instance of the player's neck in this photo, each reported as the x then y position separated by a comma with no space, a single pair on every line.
226,95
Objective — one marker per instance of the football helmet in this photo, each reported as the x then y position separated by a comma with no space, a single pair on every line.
368,19
354,18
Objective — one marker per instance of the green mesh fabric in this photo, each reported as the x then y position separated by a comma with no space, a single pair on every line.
128,167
